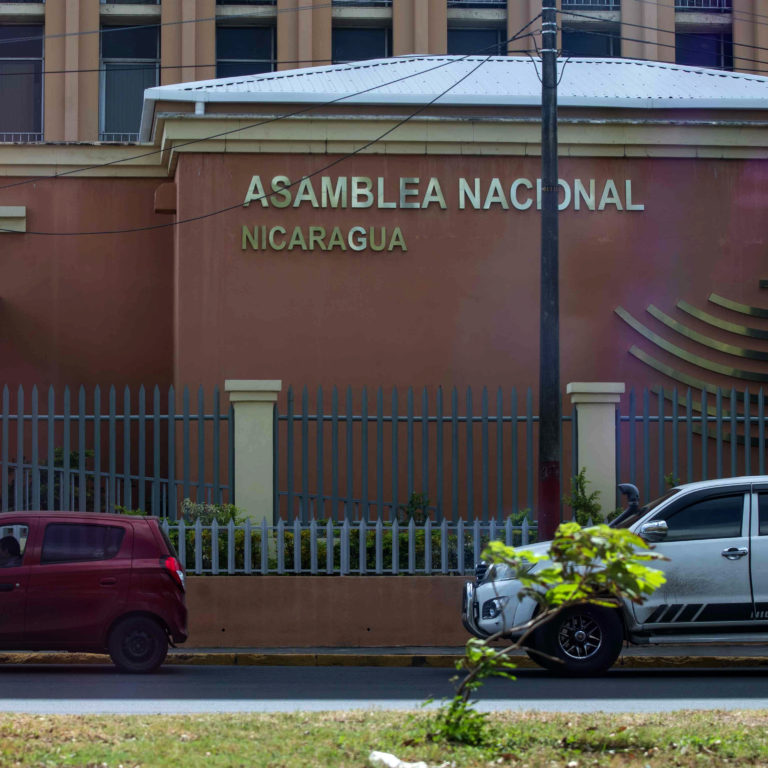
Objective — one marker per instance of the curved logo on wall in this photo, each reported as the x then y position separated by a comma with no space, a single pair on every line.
749,344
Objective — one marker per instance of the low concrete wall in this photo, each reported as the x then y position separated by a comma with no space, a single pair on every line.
324,611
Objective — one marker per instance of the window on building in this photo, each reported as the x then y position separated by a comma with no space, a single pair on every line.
600,42
704,49
130,60
358,43
21,82
244,50
483,42
246,2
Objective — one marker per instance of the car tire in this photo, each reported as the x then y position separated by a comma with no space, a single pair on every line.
137,644
583,640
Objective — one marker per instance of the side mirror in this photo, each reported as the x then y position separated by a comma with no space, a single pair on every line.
653,531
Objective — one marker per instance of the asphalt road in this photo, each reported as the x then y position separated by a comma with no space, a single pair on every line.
71,689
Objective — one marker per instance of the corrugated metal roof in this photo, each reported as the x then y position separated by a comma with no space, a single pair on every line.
483,81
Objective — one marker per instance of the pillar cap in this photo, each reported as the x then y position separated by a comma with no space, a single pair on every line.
595,391
253,390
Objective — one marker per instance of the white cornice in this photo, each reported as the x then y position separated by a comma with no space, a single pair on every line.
503,136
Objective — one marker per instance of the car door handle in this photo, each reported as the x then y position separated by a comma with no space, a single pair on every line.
7,587
108,582
734,553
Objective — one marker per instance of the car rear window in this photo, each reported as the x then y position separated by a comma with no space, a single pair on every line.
73,542
168,543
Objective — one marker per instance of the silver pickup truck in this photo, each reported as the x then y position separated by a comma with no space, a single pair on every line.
715,536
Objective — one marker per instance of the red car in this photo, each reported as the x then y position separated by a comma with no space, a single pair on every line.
90,582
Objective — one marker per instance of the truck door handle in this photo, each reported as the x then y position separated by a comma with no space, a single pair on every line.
734,553
110,581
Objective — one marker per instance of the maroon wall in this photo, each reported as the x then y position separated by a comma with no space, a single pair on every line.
86,310
460,307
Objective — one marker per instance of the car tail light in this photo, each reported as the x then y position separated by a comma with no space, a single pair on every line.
174,568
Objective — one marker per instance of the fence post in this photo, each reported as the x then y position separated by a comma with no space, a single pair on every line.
595,403
254,404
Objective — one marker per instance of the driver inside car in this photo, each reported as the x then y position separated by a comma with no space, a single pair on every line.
10,552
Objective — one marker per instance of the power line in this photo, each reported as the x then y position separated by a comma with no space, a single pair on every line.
662,45
269,120
745,15
205,19
518,35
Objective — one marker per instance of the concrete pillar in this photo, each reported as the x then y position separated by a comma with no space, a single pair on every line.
254,402
595,403
187,49
749,31
71,109
648,31
303,34
419,26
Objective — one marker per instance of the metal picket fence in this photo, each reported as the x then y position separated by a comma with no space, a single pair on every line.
666,436
341,549
361,455
130,449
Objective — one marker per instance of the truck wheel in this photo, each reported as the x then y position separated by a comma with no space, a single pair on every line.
583,640
137,644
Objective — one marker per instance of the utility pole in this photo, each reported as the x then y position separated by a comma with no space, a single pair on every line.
549,313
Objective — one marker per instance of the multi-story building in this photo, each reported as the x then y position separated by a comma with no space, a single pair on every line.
75,70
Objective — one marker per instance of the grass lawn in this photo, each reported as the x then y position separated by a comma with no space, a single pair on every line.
346,739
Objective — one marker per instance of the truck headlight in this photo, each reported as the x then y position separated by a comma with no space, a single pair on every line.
492,608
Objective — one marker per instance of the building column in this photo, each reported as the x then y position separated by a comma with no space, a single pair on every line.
419,26
596,436
71,94
650,29
749,31
303,34
519,14
254,405
187,48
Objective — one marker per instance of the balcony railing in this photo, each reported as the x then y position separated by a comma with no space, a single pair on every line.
476,3
592,5
9,137
119,138
711,6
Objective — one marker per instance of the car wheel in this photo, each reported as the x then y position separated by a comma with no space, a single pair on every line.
583,640
138,644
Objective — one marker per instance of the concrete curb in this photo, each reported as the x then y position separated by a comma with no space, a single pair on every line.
362,659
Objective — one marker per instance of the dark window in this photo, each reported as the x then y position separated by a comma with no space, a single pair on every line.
8,535
602,42
21,82
244,50
359,43
704,49
483,42
72,542
714,518
130,60
763,513
129,43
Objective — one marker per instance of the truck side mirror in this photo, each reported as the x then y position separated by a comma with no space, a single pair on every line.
656,530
